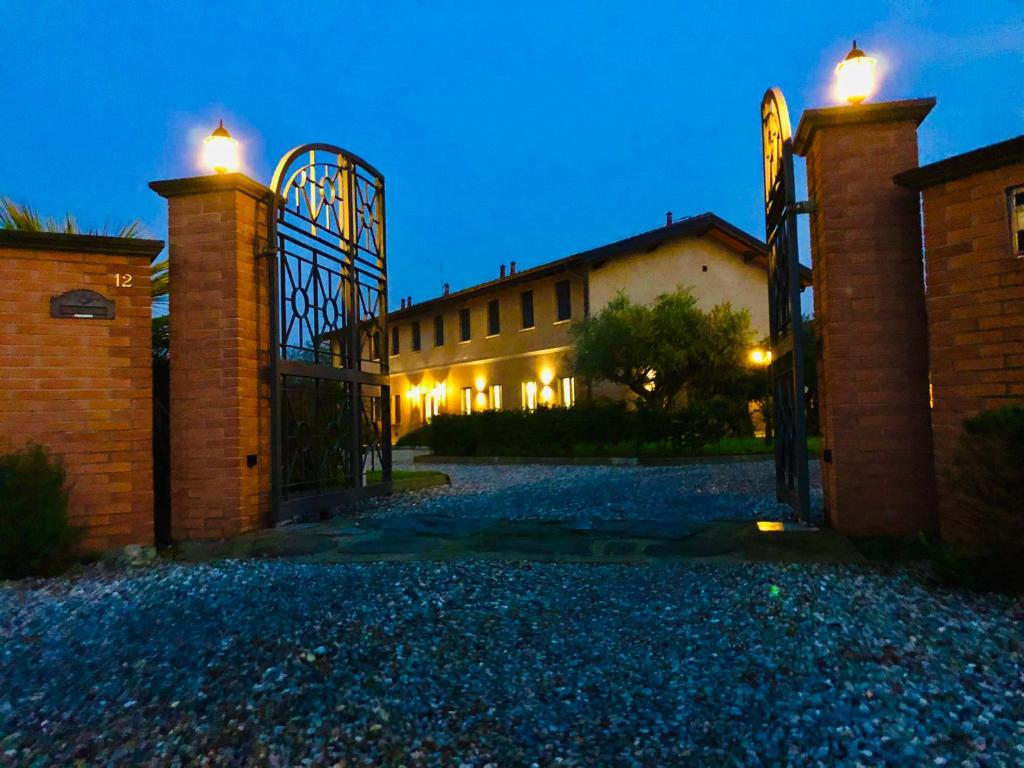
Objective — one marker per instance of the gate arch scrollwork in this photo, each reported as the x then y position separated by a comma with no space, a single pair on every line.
330,390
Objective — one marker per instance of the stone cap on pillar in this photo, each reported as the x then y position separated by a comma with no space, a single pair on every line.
910,110
197,185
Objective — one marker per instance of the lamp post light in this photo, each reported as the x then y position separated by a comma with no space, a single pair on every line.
763,359
220,151
855,76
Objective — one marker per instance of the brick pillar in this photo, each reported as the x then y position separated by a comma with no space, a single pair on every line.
219,341
869,303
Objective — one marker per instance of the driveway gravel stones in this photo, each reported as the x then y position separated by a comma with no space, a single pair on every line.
474,663
697,493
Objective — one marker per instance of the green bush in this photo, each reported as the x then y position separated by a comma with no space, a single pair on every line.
36,538
587,429
984,514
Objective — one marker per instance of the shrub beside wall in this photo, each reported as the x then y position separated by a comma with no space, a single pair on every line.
983,515
36,538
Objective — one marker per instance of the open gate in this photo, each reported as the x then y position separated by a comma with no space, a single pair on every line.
792,483
331,416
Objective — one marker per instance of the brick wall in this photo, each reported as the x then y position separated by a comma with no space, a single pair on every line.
869,304
975,300
219,340
82,387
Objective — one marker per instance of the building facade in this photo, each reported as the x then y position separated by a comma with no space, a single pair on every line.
506,344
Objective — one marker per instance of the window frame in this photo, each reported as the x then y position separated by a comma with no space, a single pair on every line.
438,330
524,298
417,340
493,317
1015,213
494,397
465,325
395,341
558,301
396,414
466,401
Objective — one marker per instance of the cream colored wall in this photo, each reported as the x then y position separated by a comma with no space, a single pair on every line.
645,276
509,358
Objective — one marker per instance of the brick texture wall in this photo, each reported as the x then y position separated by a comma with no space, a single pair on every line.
869,304
975,300
219,339
82,387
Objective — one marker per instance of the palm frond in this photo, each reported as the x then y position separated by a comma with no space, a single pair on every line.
17,216
24,217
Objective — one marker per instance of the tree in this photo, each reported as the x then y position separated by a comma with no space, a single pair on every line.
658,351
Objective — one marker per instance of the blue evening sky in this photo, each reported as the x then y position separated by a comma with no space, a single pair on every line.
515,131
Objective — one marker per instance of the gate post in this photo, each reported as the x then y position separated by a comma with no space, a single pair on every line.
877,471
220,355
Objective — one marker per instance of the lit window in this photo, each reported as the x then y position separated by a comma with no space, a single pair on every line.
530,395
496,396
1016,199
567,389
467,401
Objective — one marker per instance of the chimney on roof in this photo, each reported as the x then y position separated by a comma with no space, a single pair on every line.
511,268
408,302
668,218
403,303
447,289
501,271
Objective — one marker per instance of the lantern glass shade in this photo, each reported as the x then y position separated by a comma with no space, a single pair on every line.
855,76
220,151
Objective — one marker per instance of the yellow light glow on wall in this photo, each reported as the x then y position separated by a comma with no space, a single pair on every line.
855,76
481,383
547,395
481,401
547,376
220,151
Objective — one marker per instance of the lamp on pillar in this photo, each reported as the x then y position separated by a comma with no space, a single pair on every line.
220,151
855,76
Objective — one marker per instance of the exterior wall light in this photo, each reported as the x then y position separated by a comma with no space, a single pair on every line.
547,395
855,76
481,383
547,376
760,356
220,151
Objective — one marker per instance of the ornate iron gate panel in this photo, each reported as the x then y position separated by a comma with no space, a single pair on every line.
330,394
785,320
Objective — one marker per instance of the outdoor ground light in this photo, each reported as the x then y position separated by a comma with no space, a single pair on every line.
220,150
855,76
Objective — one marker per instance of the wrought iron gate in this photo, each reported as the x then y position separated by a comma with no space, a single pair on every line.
330,419
785,320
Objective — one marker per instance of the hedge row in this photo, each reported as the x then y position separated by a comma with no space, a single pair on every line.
589,428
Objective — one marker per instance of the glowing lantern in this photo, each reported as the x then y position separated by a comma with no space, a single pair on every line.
220,151
855,76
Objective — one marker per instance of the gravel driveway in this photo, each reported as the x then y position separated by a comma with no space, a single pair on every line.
492,663
489,663
697,493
